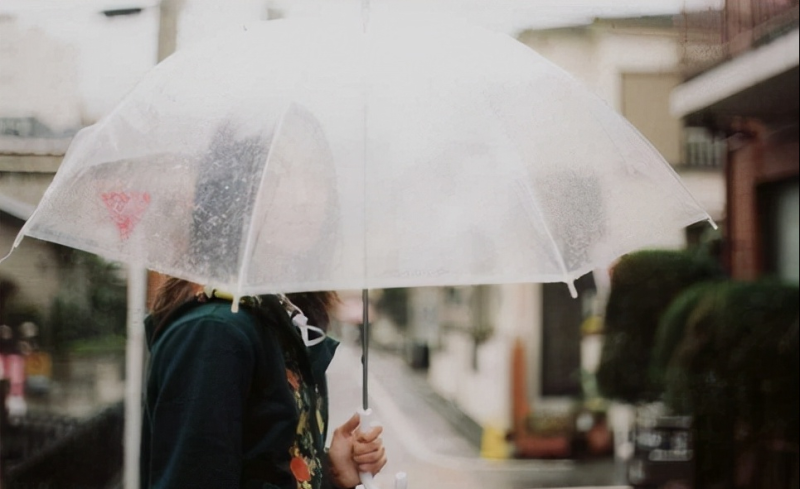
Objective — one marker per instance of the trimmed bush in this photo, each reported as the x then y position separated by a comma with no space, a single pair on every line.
735,370
689,305
741,340
643,285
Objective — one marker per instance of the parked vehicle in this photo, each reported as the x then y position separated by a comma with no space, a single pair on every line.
663,456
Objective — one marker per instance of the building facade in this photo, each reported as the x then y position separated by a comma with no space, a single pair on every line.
748,93
515,358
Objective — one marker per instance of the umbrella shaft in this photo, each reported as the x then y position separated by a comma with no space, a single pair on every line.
365,349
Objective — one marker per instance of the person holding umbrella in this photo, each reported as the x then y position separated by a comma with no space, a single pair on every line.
239,400
236,395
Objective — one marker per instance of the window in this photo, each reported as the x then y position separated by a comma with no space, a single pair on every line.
780,216
645,103
562,317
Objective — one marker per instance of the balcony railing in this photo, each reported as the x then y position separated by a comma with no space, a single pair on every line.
702,150
711,37
748,23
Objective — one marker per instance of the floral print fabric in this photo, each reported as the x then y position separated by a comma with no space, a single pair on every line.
306,464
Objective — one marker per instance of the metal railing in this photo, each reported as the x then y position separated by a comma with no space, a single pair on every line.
751,22
53,452
711,37
702,150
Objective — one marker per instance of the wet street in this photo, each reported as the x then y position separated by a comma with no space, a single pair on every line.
419,432
421,442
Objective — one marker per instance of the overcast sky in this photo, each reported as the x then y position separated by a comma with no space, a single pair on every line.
509,15
112,54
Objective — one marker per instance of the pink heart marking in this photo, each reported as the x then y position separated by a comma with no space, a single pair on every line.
126,209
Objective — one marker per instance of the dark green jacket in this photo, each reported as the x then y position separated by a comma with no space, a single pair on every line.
233,400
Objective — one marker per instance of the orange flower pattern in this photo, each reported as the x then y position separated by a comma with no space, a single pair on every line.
305,454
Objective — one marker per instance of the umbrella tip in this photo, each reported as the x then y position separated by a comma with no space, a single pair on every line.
572,290
16,243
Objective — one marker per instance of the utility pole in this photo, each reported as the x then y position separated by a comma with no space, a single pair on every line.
169,15
138,279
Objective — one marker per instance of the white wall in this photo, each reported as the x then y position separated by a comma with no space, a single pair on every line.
39,76
67,63
597,56
485,394
709,189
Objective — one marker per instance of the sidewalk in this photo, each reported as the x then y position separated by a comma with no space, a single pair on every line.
421,440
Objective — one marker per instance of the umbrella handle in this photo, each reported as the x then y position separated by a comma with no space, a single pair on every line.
400,482
367,479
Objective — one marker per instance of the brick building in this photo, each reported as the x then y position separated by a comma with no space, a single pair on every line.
748,92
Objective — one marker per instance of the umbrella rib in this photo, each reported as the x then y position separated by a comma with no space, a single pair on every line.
664,162
529,198
529,201
365,291
250,236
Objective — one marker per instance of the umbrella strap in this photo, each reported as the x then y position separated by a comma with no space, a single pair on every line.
300,321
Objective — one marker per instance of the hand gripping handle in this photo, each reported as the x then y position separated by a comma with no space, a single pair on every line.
367,479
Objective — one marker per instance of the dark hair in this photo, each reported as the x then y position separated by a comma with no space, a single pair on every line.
175,292
171,294
316,306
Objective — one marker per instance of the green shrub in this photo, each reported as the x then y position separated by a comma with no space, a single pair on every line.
735,370
689,304
93,311
643,285
394,303
16,314
740,341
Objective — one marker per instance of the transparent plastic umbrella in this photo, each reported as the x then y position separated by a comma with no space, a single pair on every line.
299,155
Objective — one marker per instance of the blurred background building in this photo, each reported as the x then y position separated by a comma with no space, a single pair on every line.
746,92
715,91
633,64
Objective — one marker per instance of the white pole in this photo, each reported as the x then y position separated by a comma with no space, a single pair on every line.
2,401
169,13
137,293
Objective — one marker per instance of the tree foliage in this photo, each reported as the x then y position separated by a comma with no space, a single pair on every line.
94,308
394,303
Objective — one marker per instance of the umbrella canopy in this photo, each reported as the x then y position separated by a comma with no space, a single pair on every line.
296,155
